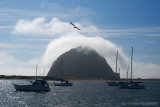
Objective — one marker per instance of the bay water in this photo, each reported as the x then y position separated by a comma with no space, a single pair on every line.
81,94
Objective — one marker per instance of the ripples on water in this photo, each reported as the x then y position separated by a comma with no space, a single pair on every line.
81,94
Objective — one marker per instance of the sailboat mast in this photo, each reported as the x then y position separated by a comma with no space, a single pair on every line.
36,71
131,62
127,72
116,61
119,72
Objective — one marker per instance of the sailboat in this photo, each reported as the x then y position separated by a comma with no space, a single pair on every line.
116,82
132,84
39,84
62,81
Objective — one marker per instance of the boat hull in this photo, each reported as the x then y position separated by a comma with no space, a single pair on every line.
31,88
63,84
117,83
112,83
132,87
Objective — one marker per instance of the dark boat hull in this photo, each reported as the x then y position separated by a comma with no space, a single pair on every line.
112,83
30,88
117,83
132,86
63,84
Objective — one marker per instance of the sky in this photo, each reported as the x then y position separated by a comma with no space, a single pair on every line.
38,31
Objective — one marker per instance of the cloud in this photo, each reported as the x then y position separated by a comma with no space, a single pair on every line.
11,66
72,40
10,15
157,34
150,42
55,28
40,27
146,70
6,27
5,46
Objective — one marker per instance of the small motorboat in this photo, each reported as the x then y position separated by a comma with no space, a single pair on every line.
39,84
113,83
63,83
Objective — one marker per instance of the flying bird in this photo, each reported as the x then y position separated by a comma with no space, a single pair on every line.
75,26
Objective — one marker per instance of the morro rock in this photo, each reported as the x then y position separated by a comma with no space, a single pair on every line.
81,63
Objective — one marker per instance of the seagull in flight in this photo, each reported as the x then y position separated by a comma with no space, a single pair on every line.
74,26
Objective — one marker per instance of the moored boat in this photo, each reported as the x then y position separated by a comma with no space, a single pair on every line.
39,84
115,81
63,83
132,84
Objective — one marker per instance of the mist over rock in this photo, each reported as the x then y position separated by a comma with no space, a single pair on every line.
81,63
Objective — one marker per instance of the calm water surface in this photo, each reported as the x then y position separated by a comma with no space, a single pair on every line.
81,94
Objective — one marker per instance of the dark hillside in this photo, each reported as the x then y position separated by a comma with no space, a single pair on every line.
81,62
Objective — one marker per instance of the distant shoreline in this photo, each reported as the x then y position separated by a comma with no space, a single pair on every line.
14,77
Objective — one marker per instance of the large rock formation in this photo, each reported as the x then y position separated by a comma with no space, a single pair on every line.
81,63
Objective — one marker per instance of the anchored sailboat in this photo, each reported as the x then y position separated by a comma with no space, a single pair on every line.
132,84
116,82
